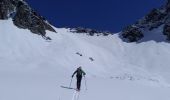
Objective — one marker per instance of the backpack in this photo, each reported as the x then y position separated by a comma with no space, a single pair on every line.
79,72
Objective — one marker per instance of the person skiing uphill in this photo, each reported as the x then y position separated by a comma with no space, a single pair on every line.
79,73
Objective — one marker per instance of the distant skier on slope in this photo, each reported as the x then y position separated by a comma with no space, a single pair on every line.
79,75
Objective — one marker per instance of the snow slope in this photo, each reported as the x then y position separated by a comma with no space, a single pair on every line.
32,68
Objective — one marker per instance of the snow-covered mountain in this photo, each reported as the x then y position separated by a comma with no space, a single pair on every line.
34,67
158,17
24,16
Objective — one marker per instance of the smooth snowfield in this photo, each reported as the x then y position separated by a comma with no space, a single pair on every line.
32,68
43,87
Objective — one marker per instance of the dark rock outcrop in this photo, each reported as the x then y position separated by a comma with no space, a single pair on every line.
132,33
166,31
154,19
6,7
90,32
24,17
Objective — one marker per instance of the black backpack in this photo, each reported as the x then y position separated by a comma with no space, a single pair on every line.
79,72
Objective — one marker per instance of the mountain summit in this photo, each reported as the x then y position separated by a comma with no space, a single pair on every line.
24,16
153,20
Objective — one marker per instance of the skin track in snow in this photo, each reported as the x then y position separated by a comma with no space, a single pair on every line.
76,95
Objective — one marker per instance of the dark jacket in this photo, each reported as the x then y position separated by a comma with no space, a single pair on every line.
79,72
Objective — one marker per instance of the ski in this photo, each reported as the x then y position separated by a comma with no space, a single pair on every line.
68,87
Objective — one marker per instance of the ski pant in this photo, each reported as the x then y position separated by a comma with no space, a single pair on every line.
79,82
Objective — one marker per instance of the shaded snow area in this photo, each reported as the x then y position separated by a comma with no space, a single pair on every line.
32,68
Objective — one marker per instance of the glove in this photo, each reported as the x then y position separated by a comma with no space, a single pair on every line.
72,76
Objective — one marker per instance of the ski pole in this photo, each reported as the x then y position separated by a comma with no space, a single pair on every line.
70,82
85,82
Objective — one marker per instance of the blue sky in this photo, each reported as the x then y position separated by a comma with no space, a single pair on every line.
111,15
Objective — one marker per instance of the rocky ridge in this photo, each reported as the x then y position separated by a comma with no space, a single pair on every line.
90,32
24,17
154,19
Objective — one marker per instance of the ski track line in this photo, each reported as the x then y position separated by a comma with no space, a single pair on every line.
75,95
